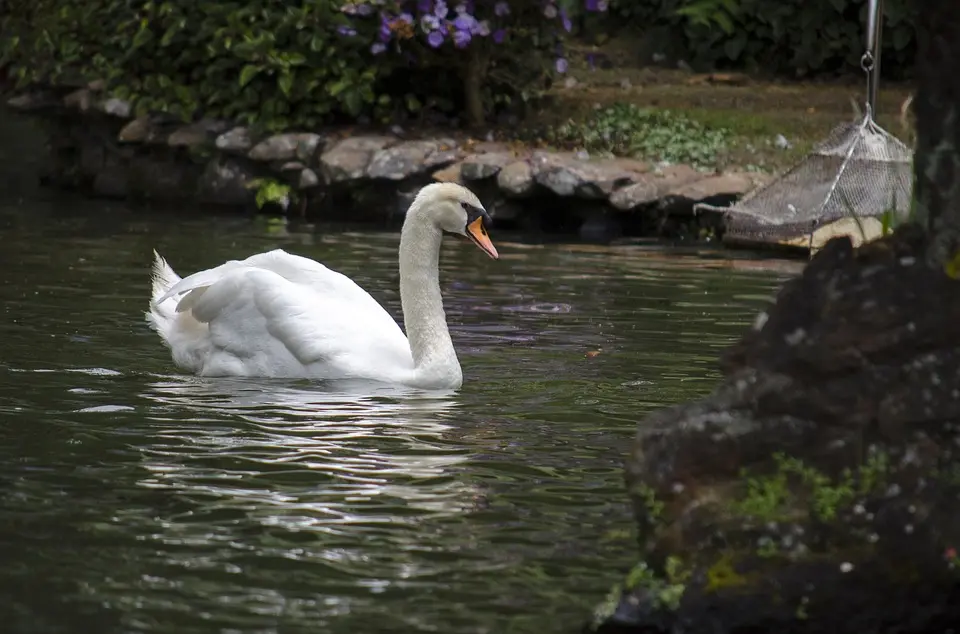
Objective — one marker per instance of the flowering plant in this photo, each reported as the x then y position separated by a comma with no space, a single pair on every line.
470,33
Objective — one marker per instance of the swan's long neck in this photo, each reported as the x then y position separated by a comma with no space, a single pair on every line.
423,316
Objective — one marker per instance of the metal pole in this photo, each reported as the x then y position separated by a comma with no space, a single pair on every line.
871,58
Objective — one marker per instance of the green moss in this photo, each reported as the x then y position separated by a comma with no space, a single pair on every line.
608,606
722,575
666,591
774,497
648,498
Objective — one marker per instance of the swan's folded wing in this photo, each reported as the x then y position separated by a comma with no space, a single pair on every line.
260,319
310,273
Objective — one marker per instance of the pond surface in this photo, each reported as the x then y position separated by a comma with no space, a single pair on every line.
136,499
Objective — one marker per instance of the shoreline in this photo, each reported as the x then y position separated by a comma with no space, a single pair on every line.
99,148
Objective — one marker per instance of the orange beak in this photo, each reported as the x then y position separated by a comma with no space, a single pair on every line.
478,234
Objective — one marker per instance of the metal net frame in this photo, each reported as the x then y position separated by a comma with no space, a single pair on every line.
859,171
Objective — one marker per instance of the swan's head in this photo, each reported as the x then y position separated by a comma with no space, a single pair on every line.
455,209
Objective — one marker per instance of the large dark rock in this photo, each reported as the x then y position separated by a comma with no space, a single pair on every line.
817,488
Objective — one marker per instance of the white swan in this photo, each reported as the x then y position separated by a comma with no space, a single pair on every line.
281,315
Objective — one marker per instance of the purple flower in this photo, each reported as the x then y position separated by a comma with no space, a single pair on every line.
346,30
461,8
430,23
566,20
464,22
384,33
424,5
440,9
482,28
502,8
435,39
561,65
378,47
353,8
461,39
499,35
406,17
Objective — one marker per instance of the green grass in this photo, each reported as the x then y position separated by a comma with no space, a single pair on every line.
624,129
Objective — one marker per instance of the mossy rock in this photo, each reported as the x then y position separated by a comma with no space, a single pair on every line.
818,484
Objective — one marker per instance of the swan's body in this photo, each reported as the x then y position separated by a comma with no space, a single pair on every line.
281,315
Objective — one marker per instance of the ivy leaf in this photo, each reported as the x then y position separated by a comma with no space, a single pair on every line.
143,36
285,82
248,73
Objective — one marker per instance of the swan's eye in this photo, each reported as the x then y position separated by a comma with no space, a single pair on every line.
475,212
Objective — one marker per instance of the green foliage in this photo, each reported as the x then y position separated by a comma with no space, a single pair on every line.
768,497
251,61
629,130
271,191
790,37
282,65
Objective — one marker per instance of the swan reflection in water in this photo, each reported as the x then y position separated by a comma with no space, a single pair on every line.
302,455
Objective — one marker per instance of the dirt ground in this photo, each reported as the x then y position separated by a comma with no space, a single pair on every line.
754,110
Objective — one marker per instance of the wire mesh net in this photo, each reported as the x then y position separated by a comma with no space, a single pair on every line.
860,170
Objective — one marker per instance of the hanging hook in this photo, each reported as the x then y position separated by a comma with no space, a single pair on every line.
870,62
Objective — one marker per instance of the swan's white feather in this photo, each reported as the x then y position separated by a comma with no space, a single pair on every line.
276,314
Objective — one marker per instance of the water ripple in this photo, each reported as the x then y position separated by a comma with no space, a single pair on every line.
140,500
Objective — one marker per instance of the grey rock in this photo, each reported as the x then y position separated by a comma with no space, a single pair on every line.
348,159
479,166
449,174
32,101
162,177
636,195
112,182
403,160
292,166
653,186
81,99
225,181
516,179
198,133
140,130
843,395
116,108
284,147
308,179
565,175
506,210
445,153
729,183
237,140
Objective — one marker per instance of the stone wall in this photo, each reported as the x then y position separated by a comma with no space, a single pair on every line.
99,147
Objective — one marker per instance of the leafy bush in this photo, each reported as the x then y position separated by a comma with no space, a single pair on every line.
495,50
250,60
283,64
662,135
793,37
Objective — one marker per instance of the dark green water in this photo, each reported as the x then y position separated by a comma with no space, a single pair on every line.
135,499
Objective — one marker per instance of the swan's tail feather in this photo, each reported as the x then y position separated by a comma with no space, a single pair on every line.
161,314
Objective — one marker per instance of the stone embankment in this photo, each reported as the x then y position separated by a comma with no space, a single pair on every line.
101,147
